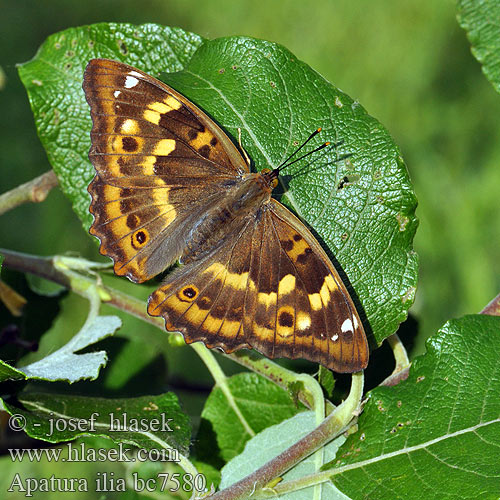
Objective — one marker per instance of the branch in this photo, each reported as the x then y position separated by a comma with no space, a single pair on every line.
493,308
35,190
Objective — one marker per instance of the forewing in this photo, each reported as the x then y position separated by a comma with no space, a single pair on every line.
160,163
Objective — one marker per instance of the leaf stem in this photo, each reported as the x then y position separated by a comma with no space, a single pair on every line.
221,381
332,426
35,190
400,354
402,361
279,375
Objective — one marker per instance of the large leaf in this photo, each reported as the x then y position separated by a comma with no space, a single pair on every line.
481,21
437,434
356,196
368,223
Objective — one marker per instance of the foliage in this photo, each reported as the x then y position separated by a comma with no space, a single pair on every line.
438,427
481,20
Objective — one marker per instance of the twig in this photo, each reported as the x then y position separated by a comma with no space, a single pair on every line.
35,190
493,308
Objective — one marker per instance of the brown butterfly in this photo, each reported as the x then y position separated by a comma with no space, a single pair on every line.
170,185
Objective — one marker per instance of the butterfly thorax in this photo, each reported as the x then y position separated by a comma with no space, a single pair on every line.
239,205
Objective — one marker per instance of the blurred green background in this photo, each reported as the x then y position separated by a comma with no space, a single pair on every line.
408,63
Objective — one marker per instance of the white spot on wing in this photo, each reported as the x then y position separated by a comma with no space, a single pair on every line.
355,321
116,93
134,73
335,337
130,82
347,326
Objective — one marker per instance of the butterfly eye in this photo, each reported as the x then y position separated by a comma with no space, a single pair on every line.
270,177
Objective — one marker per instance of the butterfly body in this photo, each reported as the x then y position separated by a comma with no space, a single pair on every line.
170,185
242,200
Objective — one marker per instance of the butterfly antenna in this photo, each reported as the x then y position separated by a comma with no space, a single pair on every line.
285,163
324,145
307,166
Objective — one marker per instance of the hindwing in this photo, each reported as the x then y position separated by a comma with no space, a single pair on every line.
270,288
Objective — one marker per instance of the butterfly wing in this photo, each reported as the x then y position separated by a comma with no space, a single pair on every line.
272,288
325,318
159,162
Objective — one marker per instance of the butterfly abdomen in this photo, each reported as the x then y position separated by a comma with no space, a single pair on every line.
241,202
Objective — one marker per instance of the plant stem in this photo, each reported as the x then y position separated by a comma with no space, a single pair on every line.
277,374
400,354
35,190
493,308
402,362
221,381
331,427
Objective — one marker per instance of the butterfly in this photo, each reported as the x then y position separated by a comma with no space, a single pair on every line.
170,186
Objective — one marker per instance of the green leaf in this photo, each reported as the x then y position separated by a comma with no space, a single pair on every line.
481,21
8,372
64,364
273,441
53,79
256,403
42,286
55,418
437,434
367,222
327,380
